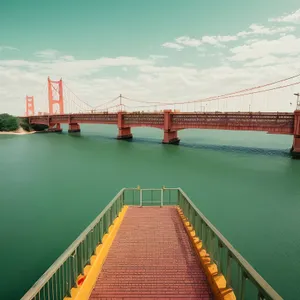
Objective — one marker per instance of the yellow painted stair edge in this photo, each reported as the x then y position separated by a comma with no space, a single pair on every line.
92,271
216,281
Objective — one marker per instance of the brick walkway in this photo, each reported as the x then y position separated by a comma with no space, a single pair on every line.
151,258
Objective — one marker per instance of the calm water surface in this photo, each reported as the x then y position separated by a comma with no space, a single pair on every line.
52,186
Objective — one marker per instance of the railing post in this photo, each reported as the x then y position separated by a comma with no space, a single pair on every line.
141,197
228,270
162,198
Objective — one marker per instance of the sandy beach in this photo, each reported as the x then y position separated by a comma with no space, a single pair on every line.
19,131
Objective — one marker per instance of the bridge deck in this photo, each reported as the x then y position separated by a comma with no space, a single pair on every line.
151,257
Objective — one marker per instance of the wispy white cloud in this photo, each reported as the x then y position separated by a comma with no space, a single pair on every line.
67,57
220,40
8,48
157,57
293,17
256,29
250,41
189,64
69,66
216,39
272,60
47,54
285,45
187,41
173,46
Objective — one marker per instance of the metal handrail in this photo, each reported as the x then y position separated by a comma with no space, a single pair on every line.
265,291
68,253
62,275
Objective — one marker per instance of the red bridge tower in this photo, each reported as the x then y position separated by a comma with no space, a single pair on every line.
56,102
29,106
55,97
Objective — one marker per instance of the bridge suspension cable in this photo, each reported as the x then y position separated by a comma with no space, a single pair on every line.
223,96
105,103
249,89
74,104
77,96
148,104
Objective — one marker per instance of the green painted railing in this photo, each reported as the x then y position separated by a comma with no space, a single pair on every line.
57,281
240,276
151,197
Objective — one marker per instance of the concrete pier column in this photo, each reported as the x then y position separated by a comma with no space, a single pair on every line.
124,130
295,151
170,135
74,127
124,134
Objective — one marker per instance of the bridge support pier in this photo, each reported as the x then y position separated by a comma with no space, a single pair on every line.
170,137
295,151
124,131
55,128
124,134
74,127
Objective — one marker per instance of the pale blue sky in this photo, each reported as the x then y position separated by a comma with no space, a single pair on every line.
167,50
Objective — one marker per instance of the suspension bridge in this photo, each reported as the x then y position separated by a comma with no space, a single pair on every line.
216,112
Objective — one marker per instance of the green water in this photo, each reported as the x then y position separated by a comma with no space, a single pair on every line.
52,186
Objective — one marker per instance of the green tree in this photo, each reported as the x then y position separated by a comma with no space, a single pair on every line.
8,122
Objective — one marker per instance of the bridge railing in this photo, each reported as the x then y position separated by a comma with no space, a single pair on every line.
61,277
151,197
239,274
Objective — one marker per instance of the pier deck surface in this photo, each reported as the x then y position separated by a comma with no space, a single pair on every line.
152,258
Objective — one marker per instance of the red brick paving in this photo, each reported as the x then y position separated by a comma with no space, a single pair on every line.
151,258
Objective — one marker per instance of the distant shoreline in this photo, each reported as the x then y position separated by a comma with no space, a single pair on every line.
19,131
